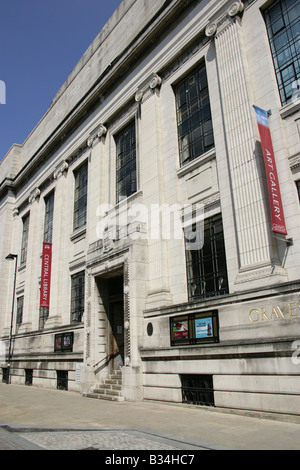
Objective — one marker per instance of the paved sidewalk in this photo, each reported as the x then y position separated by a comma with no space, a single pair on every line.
50,419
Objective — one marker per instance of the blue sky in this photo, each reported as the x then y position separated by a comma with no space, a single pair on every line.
41,41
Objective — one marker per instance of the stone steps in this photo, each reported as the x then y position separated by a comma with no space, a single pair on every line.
109,389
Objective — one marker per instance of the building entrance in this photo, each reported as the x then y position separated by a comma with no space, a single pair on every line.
111,293
116,320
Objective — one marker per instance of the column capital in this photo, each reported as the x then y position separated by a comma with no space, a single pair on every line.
60,170
149,84
223,18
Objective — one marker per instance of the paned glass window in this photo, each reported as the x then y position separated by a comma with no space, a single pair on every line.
206,266
283,26
20,302
48,223
80,200
195,130
24,245
126,180
77,296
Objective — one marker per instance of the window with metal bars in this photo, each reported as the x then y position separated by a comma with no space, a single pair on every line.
48,230
206,266
20,302
24,245
77,297
283,26
198,390
194,121
126,171
62,379
48,221
80,199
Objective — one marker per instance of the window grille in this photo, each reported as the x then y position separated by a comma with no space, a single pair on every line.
206,266
24,239
48,223
44,315
20,303
283,26
126,174
80,200
77,297
195,130
28,377
62,379
198,390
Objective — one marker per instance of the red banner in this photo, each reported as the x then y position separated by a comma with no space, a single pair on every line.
278,221
46,275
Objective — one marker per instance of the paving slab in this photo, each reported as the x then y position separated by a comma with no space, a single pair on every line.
36,415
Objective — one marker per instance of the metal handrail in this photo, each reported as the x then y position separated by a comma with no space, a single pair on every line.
107,358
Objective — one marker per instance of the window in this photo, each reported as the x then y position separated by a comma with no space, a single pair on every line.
48,223
283,26
198,389
62,379
80,200
20,302
48,229
126,181
206,266
77,297
24,239
298,188
195,131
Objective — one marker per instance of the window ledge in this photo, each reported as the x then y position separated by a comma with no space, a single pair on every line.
78,233
290,109
204,158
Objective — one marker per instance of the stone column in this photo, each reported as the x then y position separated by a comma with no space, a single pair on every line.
151,149
258,260
59,253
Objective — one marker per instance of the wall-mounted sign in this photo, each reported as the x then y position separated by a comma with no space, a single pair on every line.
63,342
194,328
278,221
46,275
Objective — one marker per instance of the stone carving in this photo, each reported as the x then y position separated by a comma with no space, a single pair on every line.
102,131
35,194
235,9
60,170
211,29
155,82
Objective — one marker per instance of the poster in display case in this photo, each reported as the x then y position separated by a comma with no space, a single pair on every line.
195,328
63,342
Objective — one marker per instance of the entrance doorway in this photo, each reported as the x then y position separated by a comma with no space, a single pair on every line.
111,293
116,321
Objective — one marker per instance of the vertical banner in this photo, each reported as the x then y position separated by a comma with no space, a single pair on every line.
46,275
278,221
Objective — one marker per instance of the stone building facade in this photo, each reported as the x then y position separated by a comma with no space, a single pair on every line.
147,179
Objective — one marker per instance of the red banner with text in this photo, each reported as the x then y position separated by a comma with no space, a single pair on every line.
278,221
46,275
